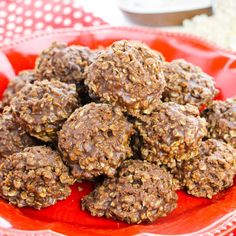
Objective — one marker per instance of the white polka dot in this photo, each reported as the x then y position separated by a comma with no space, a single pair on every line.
7,40
19,10
11,7
18,29
1,38
10,26
27,2
57,0
96,23
38,14
66,2
9,33
58,20
48,17
19,20
38,4
87,18
76,5
77,14
11,18
27,31
57,8
39,25
48,7
28,13
28,22
3,14
67,22
2,22
1,30
66,11
78,26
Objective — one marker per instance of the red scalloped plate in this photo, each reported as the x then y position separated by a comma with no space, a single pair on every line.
194,216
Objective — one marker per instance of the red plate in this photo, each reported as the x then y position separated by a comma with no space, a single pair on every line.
195,216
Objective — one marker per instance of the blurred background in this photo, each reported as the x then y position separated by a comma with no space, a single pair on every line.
213,20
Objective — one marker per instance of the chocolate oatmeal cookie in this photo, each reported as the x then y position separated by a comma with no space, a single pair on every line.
12,137
95,140
35,177
173,132
16,84
212,170
221,117
64,63
42,108
187,84
128,75
141,192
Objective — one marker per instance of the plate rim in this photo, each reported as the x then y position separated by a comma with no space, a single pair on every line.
225,224
61,31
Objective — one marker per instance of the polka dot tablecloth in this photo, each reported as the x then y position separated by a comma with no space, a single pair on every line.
22,17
